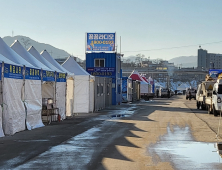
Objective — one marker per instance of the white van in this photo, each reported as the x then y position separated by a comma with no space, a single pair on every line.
216,97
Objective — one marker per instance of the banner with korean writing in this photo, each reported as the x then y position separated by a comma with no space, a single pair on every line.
48,75
100,42
32,73
102,71
13,71
61,77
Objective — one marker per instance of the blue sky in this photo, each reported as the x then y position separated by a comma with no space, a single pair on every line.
142,24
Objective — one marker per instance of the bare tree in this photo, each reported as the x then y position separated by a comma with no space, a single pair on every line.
139,59
26,43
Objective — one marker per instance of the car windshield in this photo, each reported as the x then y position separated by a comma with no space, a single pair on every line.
219,89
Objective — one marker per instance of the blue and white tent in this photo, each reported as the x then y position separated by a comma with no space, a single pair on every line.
50,87
33,97
14,113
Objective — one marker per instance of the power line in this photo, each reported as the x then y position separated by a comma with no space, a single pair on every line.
174,47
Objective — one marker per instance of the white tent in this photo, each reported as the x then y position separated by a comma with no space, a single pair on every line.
61,85
84,87
51,90
183,86
6,61
14,114
144,86
33,96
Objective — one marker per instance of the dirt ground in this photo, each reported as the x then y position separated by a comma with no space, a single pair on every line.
163,113
99,141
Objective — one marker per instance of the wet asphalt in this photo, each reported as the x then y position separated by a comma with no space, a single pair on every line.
82,142
76,143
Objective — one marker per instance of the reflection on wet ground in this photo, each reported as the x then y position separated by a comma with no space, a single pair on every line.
178,147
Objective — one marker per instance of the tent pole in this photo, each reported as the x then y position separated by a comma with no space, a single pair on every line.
2,98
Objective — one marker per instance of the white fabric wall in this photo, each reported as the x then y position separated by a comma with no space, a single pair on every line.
1,130
91,95
81,97
33,103
61,98
144,88
13,107
69,97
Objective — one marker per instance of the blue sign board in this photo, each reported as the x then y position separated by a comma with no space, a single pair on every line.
215,72
13,71
48,75
32,73
102,71
61,77
100,42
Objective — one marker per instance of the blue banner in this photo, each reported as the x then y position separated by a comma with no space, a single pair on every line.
48,75
32,73
100,42
214,73
13,71
102,71
61,77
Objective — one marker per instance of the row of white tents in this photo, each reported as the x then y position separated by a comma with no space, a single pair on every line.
28,76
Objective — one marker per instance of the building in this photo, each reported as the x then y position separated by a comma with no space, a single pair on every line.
207,60
107,65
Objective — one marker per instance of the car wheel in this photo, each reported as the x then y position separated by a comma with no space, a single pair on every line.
208,109
198,105
214,111
203,107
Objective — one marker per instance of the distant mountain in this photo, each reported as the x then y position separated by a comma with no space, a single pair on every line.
184,61
27,42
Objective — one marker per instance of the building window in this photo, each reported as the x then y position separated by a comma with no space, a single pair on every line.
99,62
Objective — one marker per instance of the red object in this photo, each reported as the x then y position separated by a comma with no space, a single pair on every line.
144,78
59,118
136,76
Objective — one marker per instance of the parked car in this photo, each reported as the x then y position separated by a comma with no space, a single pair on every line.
179,92
191,92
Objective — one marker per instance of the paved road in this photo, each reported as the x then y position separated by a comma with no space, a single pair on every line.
129,136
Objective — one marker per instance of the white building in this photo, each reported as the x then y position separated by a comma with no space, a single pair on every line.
207,60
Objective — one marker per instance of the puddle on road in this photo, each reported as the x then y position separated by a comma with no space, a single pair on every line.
178,147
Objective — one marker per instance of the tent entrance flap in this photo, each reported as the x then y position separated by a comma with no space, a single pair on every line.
69,97
13,107
61,98
33,103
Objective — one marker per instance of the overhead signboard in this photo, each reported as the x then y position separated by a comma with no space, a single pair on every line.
100,42
32,73
61,77
13,71
48,75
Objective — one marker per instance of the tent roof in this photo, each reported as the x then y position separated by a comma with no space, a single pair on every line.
144,78
19,49
51,60
9,53
36,54
72,66
7,61
183,87
136,76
